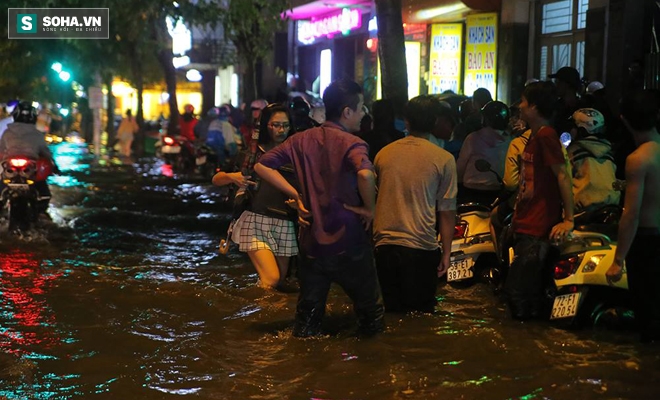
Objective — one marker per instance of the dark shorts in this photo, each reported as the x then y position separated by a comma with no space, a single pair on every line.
408,278
643,265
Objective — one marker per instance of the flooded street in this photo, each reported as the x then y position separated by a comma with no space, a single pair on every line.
124,296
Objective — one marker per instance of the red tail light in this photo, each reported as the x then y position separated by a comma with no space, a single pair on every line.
567,267
18,162
168,141
460,229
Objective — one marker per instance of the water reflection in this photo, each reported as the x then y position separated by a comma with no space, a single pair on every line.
127,297
28,322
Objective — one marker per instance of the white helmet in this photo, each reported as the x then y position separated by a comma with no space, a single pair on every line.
594,86
591,120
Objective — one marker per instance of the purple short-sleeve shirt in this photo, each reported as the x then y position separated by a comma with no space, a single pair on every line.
326,160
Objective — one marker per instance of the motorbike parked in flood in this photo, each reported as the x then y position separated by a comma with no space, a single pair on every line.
577,292
21,198
473,252
581,291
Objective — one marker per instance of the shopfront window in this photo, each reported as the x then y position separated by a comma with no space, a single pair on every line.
562,35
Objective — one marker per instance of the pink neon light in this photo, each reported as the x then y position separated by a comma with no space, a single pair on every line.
347,20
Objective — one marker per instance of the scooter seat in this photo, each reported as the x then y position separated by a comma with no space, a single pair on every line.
611,230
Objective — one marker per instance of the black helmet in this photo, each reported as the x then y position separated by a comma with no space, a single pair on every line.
24,112
299,106
495,115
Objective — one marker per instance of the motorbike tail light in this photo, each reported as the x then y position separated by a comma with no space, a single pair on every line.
168,141
460,230
18,162
567,267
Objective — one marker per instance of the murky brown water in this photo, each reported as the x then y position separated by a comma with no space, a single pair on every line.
123,296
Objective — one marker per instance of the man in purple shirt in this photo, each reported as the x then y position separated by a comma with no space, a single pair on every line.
334,171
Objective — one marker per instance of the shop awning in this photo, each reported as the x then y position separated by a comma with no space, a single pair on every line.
304,9
413,11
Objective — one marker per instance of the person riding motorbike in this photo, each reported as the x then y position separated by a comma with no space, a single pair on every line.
489,143
23,139
221,136
592,163
187,122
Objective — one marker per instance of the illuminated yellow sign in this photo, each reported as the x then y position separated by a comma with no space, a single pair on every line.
445,57
481,53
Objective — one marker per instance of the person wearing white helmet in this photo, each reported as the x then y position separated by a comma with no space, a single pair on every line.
592,162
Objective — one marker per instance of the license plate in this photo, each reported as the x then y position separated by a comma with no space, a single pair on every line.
565,306
460,269
19,186
200,160
171,149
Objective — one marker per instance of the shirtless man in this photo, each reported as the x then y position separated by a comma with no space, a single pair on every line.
639,242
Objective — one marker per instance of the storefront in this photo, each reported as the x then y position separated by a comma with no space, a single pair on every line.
415,44
327,47
451,45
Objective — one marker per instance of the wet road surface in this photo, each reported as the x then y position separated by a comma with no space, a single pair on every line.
124,296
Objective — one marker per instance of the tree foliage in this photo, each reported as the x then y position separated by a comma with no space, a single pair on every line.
251,25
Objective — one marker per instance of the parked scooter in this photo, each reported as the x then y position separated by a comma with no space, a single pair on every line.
581,291
577,292
473,252
20,197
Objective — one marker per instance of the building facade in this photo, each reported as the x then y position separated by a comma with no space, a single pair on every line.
462,45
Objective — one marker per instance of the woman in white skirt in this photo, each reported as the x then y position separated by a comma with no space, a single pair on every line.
265,231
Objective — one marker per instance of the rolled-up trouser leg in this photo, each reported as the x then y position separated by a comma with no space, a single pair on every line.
314,287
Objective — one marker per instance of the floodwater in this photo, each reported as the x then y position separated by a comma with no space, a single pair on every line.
124,296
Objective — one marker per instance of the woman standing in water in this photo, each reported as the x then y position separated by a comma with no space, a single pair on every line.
265,230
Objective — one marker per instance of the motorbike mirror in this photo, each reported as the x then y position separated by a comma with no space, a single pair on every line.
482,165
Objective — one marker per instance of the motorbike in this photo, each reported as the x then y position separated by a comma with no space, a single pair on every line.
577,292
207,161
581,293
473,252
20,197
177,152
472,248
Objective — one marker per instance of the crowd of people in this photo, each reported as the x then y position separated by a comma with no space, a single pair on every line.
360,201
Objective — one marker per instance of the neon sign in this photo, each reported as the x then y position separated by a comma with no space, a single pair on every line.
343,22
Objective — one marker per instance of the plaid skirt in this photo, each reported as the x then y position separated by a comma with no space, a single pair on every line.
257,232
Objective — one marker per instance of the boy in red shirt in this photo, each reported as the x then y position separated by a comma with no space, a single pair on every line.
545,191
